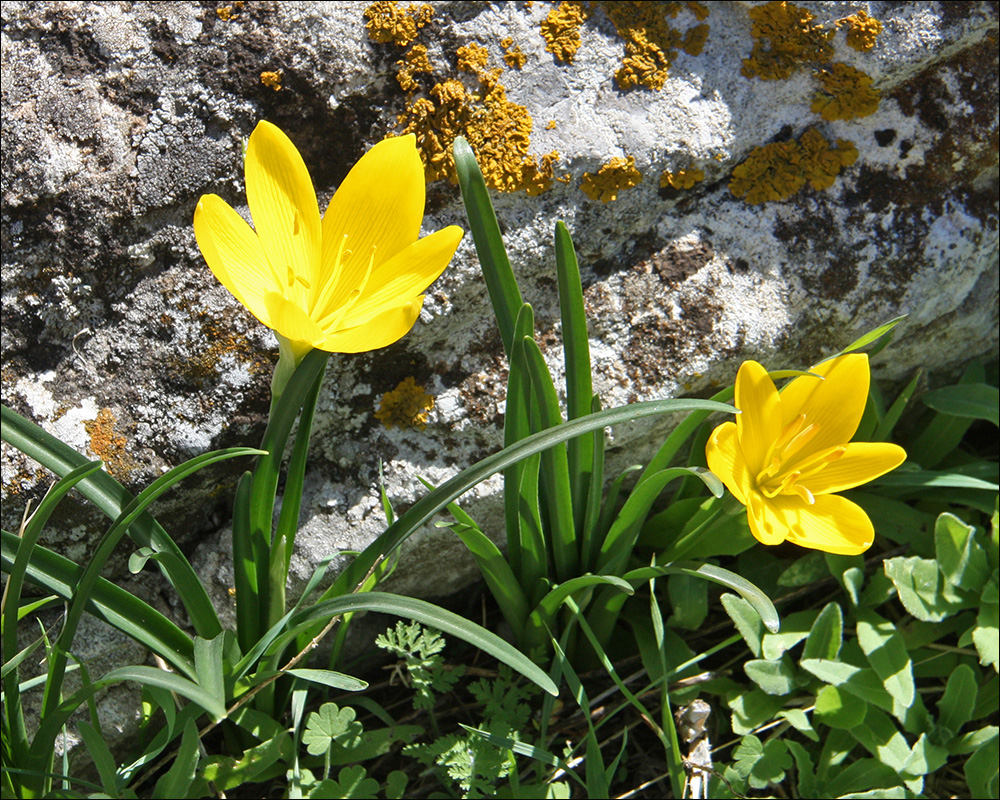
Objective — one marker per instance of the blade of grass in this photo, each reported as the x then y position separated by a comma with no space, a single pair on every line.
516,426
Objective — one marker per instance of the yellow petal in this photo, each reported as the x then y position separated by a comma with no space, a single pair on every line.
861,462
284,209
234,253
293,323
834,404
726,460
405,275
380,331
766,523
759,423
832,524
380,204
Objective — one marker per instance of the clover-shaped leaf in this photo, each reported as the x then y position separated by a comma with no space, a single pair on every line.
328,725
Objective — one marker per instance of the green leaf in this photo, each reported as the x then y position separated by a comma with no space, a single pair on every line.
747,621
879,735
752,709
328,725
838,710
806,783
176,781
925,757
761,764
982,772
773,677
968,400
883,433
959,698
111,498
887,654
98,750
986,634
860,682
804,570
960,557
500,280
256,764
799,720
865,777
923,591
688,601
827,634
871,336
327,677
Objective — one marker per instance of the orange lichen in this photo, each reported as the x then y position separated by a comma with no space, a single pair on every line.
845,93
272,80
415,61
550,125
784,38
862,31
700,10
651,44
109,445
561,29
611,178
513,57
388,22
226,13
472,58
406,406
777,171
682,179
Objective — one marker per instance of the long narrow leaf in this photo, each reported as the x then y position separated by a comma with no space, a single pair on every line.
590,544
111,497
516,426
244,569
500,280
576,349
425,508
554,473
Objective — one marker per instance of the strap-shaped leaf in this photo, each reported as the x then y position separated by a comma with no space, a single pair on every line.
111,497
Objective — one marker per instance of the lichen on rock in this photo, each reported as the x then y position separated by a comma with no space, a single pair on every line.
681,179
388,22
785,38
610,179
845,93
406,406
561,29
862,31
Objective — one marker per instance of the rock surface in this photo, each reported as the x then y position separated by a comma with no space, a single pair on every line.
116,337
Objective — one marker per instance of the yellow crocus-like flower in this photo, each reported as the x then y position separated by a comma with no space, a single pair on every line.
347,283
787,454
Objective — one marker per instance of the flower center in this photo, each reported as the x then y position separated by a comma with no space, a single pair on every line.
783,473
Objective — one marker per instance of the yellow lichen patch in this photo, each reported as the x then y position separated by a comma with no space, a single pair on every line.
777,171
109,445
272,80
651,44
513,57
472,58
415,61
436,124
784,38
561,30
862,31
406,406
613,177
700,10
845,93
388,22
226,13
682,179
550,125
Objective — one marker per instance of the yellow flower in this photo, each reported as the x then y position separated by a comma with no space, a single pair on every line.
788,453
346,283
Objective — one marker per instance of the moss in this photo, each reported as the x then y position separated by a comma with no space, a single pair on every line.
109,445
862,31
388,22
845,93
784,39
779,170
682,179
406,406
561,30
613,177
272,80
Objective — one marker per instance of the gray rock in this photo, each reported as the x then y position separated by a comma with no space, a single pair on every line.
116,337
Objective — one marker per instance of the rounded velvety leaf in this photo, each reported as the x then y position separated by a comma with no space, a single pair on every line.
285,212
725,459
405,276
380,331
834,404
832,524
379,205
759,423
234,254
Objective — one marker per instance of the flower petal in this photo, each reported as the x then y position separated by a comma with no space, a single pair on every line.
861,462
759,423
766,524
380,204
834,404
725,459
832,524
293,323
405,275
234,253
380,331
284,209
